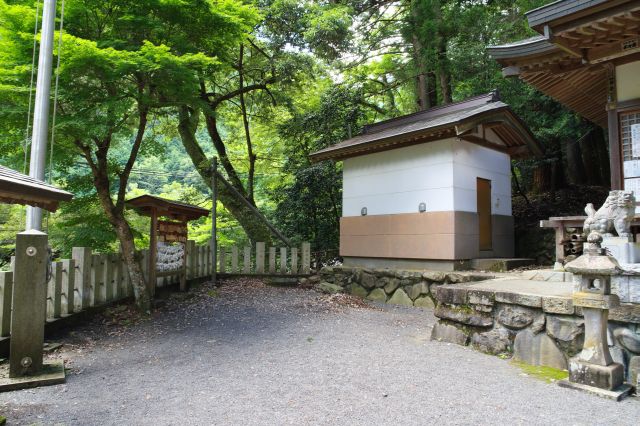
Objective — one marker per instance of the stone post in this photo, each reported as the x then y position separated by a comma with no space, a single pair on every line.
593,369
29,304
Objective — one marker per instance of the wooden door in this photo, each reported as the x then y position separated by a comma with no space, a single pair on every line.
484,212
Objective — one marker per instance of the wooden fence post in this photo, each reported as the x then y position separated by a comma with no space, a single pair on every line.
109,266
294,260
145,272
118,278
191,259
201,257
82,280
246,260
54,291
68,284
306,258
272,260
6,290
207,260
98,293
223,260
260,258
234,259
283,260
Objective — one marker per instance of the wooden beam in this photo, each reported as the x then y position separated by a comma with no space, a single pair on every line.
153,254
485,143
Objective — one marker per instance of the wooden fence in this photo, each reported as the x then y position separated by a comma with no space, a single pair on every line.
92,279
280,260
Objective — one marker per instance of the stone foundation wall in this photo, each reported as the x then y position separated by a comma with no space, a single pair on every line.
533,329
401,287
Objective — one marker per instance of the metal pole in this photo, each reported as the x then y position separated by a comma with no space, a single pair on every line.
41,107
214,218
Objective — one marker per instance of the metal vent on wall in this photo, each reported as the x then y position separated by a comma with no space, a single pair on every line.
630,44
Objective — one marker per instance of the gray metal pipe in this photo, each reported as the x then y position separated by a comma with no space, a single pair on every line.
41,107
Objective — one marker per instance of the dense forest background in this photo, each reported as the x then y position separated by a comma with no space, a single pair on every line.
150,90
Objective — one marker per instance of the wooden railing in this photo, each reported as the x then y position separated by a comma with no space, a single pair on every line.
280,260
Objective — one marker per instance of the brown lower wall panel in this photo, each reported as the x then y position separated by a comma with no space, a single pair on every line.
448,222
434,235
435,246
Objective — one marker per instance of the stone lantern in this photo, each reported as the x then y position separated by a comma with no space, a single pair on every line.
593,368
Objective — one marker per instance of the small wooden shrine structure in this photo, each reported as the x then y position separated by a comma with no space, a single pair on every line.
587,57
171,229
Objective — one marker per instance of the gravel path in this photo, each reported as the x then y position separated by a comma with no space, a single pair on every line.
259,355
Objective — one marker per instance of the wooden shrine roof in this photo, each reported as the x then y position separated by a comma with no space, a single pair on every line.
18,188
570,59
460,119
146,204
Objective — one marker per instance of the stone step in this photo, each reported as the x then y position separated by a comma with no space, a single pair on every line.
499,264
547,275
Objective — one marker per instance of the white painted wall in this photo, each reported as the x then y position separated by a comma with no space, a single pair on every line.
628,81
472,161
442,174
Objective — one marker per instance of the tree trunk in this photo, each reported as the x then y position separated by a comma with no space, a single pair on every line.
575,166
188,123
125,236
245,121
542,177
422,91
444,75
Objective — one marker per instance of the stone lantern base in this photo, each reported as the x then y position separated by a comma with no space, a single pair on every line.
606,381
607,377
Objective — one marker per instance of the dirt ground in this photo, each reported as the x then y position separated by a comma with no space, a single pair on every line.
251,354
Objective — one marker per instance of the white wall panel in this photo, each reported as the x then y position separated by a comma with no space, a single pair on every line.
397,181
441,174
440,199
473,161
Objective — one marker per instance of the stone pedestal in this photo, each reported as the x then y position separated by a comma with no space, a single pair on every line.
622,248
609,377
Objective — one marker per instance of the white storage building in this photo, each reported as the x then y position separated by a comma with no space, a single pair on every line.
431,189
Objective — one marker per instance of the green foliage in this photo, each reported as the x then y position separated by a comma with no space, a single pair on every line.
322,70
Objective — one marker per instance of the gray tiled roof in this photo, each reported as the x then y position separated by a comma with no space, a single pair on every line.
434,119
17,188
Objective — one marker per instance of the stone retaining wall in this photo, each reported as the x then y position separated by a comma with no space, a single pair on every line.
409,288
533,329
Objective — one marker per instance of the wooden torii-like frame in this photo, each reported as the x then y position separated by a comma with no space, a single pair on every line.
173,229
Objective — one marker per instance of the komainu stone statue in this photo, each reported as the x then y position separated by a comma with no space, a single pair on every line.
616,213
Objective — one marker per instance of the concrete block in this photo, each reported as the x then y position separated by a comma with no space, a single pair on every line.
620,286
479,297
557,305
463,315
531,300
446,332
451,295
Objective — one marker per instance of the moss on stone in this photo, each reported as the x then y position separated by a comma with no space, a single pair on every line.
541,372
3,421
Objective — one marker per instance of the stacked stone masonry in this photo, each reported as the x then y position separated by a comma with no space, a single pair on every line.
533,329
399,287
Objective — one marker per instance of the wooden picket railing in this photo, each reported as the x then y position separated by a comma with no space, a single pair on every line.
93,279
280,260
